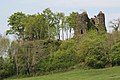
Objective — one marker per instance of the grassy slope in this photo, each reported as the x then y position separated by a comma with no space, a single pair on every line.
93,74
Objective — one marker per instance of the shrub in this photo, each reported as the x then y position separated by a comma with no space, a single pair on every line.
115,54
60,60
97,57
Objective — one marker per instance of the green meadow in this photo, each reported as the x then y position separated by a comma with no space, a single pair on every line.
80,74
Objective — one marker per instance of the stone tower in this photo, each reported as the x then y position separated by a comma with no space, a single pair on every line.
99,21
83,21
85,24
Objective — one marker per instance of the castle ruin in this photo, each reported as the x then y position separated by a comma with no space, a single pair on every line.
85,24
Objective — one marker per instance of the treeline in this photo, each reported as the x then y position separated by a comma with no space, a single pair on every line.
39,48
40,26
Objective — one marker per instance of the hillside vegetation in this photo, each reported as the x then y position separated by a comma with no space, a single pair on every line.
45,44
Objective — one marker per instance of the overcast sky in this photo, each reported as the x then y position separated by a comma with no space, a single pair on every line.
111,8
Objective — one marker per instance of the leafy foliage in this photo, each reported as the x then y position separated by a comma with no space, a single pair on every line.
115,55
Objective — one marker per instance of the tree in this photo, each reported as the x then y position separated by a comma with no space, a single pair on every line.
41,27
6,66
16,24
115,54
4,45
115,24
63,24
72,20
58,23
50,22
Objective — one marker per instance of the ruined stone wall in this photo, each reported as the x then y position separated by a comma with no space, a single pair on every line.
83,21
100,22
85,24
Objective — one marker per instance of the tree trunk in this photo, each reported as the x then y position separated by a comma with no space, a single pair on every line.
62,34
70,33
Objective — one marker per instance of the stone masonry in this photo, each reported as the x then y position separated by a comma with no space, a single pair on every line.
85,24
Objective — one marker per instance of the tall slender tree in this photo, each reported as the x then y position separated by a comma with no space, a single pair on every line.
72,20
50,18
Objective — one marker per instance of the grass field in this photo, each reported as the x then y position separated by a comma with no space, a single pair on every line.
78,74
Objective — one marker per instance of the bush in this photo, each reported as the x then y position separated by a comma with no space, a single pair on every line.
60,60
97,57
93,49
7,68
115,54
